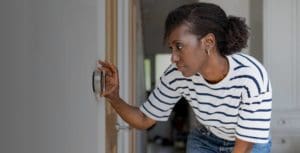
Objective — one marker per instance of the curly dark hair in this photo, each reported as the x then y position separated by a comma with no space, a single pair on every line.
231,32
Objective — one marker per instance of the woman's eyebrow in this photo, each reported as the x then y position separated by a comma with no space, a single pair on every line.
175,41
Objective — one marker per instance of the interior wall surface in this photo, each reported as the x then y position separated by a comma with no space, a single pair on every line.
49,49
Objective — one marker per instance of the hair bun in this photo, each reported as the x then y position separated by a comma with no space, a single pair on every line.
237,35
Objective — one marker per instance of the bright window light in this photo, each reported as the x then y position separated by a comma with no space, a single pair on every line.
147,68
162,62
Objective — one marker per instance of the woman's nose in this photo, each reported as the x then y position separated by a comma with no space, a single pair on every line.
174,58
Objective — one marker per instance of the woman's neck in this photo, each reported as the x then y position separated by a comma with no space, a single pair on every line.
216,69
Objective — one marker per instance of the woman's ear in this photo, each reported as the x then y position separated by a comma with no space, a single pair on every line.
209,41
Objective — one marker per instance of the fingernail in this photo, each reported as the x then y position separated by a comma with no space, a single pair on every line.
99,65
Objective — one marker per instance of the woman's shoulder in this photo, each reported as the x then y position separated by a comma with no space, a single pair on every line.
246,58
248,63
248,68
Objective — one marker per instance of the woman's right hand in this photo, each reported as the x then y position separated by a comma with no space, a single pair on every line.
130,114
111,80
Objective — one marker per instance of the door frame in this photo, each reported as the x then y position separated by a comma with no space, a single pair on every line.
132,67
121,50
110,55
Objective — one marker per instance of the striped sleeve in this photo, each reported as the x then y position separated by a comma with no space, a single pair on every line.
161,101
254,118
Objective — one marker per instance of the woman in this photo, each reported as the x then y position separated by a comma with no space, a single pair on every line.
229,91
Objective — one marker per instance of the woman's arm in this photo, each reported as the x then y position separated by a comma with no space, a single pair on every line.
132,115
242,146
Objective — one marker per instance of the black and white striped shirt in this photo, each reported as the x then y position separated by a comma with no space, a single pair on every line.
238,106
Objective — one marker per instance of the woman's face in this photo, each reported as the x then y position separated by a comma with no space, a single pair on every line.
188,52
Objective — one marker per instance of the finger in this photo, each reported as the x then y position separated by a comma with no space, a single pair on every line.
104,69
108,65
113,68
105,93
104,66
102,63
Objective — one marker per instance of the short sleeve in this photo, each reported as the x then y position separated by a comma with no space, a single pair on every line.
161,101
254,118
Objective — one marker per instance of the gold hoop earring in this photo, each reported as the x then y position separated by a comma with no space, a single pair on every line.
207,51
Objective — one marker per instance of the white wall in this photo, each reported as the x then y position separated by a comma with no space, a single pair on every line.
256,29
48,51
15,79
281,56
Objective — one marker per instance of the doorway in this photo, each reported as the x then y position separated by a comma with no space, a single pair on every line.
169,136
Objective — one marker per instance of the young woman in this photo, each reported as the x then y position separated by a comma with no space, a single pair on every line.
229,91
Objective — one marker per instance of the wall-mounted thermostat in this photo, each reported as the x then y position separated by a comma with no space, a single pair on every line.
98,82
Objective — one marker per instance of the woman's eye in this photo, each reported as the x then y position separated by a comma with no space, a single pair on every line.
179,46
